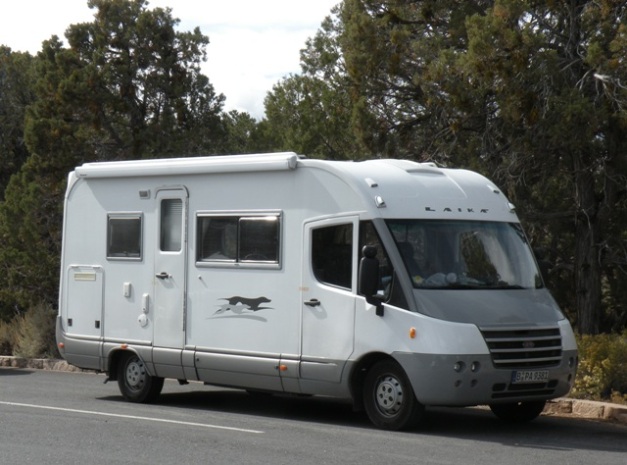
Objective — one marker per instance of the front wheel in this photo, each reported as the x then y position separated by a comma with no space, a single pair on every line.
518,412
135,384
389,399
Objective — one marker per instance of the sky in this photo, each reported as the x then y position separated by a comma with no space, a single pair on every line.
253,44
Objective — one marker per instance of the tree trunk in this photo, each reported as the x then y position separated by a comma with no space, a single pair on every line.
587,258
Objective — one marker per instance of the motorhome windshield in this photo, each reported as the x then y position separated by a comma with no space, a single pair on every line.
465,254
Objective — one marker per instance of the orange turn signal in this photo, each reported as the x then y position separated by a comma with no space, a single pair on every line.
412,333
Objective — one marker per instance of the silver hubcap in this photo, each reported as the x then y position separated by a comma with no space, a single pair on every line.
135,375
389,395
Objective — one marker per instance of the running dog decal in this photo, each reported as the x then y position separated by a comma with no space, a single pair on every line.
238,305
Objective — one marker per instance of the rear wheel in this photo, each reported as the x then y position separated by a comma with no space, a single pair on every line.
518,412
389,399
135,384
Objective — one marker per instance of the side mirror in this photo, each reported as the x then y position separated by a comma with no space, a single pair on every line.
369,278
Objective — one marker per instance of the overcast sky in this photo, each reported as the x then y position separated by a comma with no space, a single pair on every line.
252,43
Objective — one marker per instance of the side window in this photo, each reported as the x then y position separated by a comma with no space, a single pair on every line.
242,239
124,236
368,236
259,239
388,285
217,238
332,254
171,225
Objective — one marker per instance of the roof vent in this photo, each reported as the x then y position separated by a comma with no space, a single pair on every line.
371,182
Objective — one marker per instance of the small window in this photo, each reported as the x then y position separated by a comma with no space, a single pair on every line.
238,239
171,225
332,254
124,236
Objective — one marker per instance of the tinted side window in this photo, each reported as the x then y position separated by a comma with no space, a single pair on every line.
259,239
217,238
124,236
332,254
238,239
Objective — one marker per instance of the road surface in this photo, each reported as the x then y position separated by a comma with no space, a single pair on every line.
73,418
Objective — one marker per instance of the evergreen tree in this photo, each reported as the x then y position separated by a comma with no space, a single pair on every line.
243,134
528,92
16,94
128,86
400,56
553,70
310,113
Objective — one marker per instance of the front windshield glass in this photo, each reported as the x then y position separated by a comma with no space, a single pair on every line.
465,254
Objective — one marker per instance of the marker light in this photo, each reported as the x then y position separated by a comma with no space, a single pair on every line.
61,345
412,333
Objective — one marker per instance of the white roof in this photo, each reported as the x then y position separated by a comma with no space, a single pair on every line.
391,188
407,189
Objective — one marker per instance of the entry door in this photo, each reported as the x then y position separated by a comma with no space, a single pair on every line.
328,296
170,266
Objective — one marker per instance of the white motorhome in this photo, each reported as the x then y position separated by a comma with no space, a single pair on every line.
393,284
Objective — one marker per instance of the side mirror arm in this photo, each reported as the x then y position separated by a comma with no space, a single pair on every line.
377,301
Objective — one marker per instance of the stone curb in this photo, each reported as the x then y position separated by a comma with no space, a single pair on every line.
39,364
587,409
558,407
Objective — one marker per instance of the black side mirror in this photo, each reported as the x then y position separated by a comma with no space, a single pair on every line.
369,278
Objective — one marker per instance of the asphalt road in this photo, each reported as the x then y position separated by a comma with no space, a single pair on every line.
72,418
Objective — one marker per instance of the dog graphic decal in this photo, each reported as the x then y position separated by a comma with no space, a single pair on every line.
239,305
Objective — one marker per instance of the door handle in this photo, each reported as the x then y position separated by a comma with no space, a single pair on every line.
163,275
312,303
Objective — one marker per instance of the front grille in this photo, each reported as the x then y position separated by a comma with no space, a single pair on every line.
522,348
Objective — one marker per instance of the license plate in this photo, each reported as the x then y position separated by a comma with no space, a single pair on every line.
525,376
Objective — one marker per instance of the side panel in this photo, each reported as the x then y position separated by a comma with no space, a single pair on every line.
85,286
328,298
170,281
82,316
245,321
230,323
241,323
169,269
102,279
243,312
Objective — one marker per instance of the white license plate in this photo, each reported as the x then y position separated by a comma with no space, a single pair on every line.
527,376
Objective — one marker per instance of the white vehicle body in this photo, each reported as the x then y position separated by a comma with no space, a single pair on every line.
243,271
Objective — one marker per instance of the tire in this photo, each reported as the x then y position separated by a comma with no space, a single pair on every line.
389,399
135,384
518,412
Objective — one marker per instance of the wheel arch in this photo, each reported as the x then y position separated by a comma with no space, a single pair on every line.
358,376
116,357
